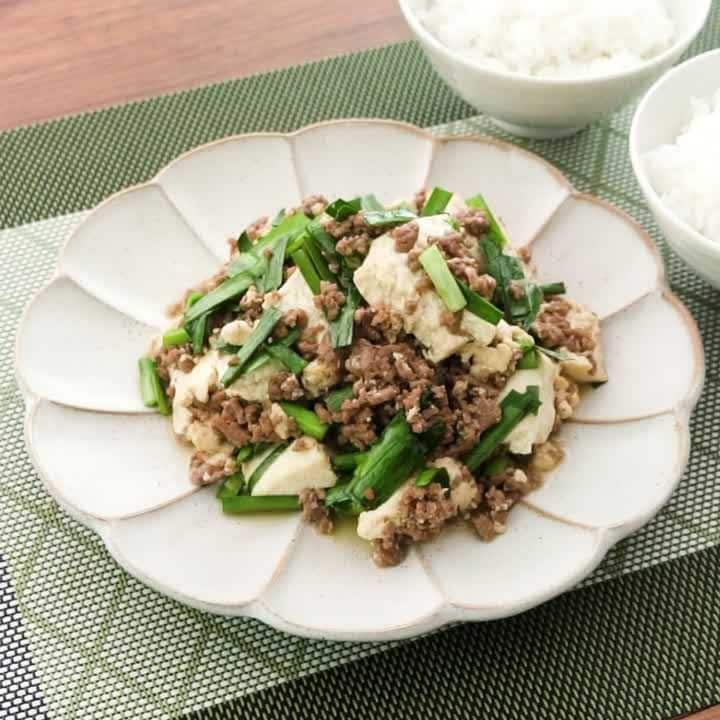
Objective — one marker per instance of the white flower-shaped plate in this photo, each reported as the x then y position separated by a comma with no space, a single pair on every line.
118,469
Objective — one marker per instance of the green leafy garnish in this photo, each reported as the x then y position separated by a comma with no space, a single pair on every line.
336,398
288,357
479,306
556,288
369,204
444,281
347,462
495,232
529,361
231,486
265,463
342,209
307,420
247,262
553,354
437,202
174,337
243,243
261,332
198,330
192,298
279,217
318,259
396,216
341,328
151,389
273,277
432,474
306,266
248,504
229,289
515,407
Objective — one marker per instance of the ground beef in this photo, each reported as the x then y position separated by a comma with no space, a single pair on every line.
452,245
525,254
473,221
451,321
423,513
308,344
295,318
467,269
205,472
285,386
330,299
358,244
419,199
251,304
381,324
167,359
241,423
406,236
554,330
314,205
255,229
314,511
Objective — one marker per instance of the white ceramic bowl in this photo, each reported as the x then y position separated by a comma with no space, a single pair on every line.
118,468
659,119
549,108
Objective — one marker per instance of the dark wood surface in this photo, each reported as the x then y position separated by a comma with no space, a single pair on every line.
59,58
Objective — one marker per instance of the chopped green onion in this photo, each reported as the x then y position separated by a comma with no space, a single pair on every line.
478,305
244,453
198,330
248,504
307,268
497,465
389,463
432,437
247,263
265,463
289,358
444,281
515,407
274,274
279,217
192,298
308,421
341,328
495,232
260,359
432,474
176,336
346,462
151,389
370,203
553,354
342,209
396,216
557,288
243,243
324,239
290,225
318,259
231,486
340,498
529,360
147,389
336,398
437,202
261,332
228,290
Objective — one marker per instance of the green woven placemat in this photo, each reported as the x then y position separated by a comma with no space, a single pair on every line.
106,646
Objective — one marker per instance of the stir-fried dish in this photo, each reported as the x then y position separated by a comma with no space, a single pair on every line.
399,365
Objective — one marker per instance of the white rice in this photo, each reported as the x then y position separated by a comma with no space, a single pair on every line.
686,174
551,38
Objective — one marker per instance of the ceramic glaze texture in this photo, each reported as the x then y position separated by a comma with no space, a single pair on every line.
119,469
546,107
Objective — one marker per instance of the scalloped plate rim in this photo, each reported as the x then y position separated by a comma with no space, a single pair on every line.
446,612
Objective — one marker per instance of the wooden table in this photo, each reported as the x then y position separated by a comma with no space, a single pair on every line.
59,58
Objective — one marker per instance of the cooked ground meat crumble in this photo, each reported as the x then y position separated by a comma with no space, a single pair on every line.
321,390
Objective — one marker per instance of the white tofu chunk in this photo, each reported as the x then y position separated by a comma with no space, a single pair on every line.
371,522
319,376
463,491
295,294
481,331
533,429
294,470
236,332
253,386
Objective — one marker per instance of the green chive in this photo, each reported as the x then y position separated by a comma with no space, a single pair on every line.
228,290
261,469
336,398
444,281
340,498
261,332
495,232
342,209
341,328
515,406
529,361
478,305
437,202
396,216
289,358
176,336
192,298
496,466
308,421
231,486
553,354
347,462
557,288
432,474
318,260
243,243
147,389
324,239
198,331
244,453
274,274
247,263
279,217
262,357
247,504
370,203
290,225
307,268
